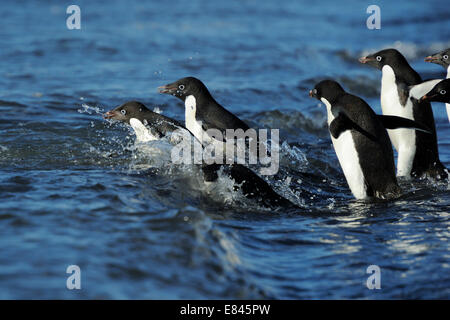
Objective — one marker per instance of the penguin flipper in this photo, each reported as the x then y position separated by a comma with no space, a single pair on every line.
343,123
339,125
394,122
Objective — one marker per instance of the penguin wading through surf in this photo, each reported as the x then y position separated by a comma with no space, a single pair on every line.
361,142
401,89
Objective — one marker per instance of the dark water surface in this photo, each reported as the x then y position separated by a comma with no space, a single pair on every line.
75,190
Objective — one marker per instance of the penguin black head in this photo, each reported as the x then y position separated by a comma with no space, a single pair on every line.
390,57
442,58
185,87
439,93
327,89
126,111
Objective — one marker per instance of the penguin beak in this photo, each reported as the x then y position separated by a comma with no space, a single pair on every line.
427,97
109,115
168,88
365,59
313,94
431,59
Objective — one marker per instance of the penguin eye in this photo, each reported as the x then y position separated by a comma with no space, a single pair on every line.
378,58
123,111
442,92
181,87
445,57
315,91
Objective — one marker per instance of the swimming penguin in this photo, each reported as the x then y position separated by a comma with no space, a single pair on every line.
361,141
147,125
439,93
401,89
442,58
203,113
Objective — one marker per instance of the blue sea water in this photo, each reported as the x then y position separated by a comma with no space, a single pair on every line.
76,190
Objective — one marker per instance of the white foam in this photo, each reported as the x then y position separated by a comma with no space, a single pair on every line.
157,110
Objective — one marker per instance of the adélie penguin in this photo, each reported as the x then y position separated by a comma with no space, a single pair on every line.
401,90
439,93
361,142
149,126
203,113
442,58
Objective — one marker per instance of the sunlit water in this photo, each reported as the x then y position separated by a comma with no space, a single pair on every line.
76,189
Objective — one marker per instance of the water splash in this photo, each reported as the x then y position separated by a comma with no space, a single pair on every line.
85,108
293,156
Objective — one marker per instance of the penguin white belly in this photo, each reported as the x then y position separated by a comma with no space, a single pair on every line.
404,140
195,127
189,115
141,131
345,149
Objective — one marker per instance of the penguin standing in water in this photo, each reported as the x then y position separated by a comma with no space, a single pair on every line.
361,141
442,58
401,89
